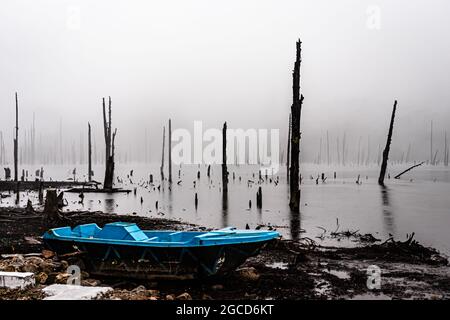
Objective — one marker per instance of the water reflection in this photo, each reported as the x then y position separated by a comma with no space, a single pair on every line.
294,224
109,205
170,201
388,215
224,209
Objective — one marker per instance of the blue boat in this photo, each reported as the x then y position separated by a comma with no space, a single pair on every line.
123,249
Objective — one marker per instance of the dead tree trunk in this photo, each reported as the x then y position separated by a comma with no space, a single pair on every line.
446,150
289,147
296,109
259,198
170,151
110,146
51,212
431,143
41,193
162,156
338,151
388,147
16,143
89,153
409,169
328,150
435,157
343,149
224,159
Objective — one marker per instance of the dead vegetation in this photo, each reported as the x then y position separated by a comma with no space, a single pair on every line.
285,269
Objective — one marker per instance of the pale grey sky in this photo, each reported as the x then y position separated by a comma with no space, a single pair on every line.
227,60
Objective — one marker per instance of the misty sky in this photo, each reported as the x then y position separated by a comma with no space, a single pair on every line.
228,61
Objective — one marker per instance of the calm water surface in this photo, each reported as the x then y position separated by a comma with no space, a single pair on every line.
419,202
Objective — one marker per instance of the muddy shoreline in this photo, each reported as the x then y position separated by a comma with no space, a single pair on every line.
283,270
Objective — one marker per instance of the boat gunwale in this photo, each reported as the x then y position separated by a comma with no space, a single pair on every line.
215,240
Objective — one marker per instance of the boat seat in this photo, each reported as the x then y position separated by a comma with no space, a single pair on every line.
152,239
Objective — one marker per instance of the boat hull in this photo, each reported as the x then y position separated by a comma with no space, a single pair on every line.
149,263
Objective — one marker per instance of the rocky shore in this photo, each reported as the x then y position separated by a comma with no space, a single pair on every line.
285,269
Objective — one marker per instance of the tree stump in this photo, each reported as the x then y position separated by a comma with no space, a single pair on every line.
29,208
52,205
259,198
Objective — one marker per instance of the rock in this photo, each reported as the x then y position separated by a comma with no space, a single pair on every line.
249,274
14,280
139,289
151,284
250,296
65,265
217,287
62,278
42,278
30,267
9,268
47,254
17,262
35,260
46,267
90,283
73,292
31,240
84,274
184,296
153,293
170,297
206,297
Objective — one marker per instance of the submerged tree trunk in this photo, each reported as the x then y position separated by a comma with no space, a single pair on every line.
16,143
431,143
89,153
296,108
170,151
328,150
446,150
162,156
388,147
338,151
289,147
224,159
51,212
109,143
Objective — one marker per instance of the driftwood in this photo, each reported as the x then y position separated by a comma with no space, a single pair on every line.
409,169
95,190
36,185
388,146
296,108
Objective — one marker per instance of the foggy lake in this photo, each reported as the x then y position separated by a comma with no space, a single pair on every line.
418,202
